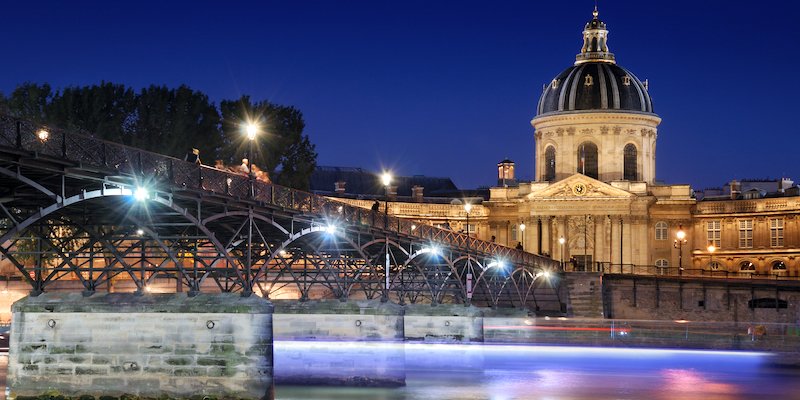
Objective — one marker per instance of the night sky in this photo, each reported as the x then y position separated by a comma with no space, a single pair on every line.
442,88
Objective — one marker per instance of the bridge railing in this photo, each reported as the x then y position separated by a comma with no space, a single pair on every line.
90,151
674,271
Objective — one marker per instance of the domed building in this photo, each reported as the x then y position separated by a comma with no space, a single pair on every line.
595,199
597,205
596,118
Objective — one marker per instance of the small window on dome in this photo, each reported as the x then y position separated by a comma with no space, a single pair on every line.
554,84
626,80
588,80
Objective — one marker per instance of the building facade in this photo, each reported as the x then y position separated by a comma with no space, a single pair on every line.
596,203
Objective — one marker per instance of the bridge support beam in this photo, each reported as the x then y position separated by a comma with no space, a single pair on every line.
155,345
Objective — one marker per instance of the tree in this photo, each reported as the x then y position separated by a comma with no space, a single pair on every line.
173,121
281,149
104,110
30,101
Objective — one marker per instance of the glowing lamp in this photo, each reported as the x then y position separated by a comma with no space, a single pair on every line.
140,194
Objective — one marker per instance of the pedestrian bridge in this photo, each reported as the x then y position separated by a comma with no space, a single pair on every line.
82,213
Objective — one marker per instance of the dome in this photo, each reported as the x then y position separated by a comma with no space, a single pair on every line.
595,86
595,82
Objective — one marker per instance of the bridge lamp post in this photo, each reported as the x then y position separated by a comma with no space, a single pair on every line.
386,179
678,244
467,209
251,130
561,242
522,230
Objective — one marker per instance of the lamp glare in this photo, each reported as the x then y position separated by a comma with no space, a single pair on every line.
140,194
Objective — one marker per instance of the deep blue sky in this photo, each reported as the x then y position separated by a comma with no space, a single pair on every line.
442,88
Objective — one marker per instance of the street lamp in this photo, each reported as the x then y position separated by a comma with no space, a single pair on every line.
561,242
251,130
522,230
678,244
711,249
386,179
467,209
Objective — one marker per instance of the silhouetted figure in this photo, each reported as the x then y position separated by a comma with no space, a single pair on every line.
493,239
193,156
376,206
519,245
446,225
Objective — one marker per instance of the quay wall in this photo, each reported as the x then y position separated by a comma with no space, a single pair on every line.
158,345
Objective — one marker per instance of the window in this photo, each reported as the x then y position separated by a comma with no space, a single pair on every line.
714,265
779,266
470,228
714,233
745,233
554,83
662,229
550,163
626,80
776,232
661,266
587,80
514,232
629,163
587,159
747,266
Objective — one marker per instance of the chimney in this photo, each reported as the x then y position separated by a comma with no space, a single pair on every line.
784,184
392,192
736,189
339,187
416,193
505,173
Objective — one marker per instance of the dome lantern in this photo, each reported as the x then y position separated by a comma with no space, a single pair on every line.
595,42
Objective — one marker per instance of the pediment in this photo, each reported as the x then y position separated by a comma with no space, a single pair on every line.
579,186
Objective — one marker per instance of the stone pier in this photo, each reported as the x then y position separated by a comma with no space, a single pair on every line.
213,346
318,344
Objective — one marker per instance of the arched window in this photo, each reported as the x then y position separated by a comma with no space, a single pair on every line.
662,266
747,266
550,163
587,159
629,164
662,230
714,265
778,266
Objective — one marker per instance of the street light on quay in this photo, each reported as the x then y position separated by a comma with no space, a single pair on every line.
561,242
467,209
678,244
522,230
711,249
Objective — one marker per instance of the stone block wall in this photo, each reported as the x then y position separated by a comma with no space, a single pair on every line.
671,299
164,345
337,320
321,333
443,323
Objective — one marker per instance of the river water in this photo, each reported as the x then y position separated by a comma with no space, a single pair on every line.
506,372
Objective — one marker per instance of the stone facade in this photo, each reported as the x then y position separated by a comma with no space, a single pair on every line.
701,300
170,345
610,132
